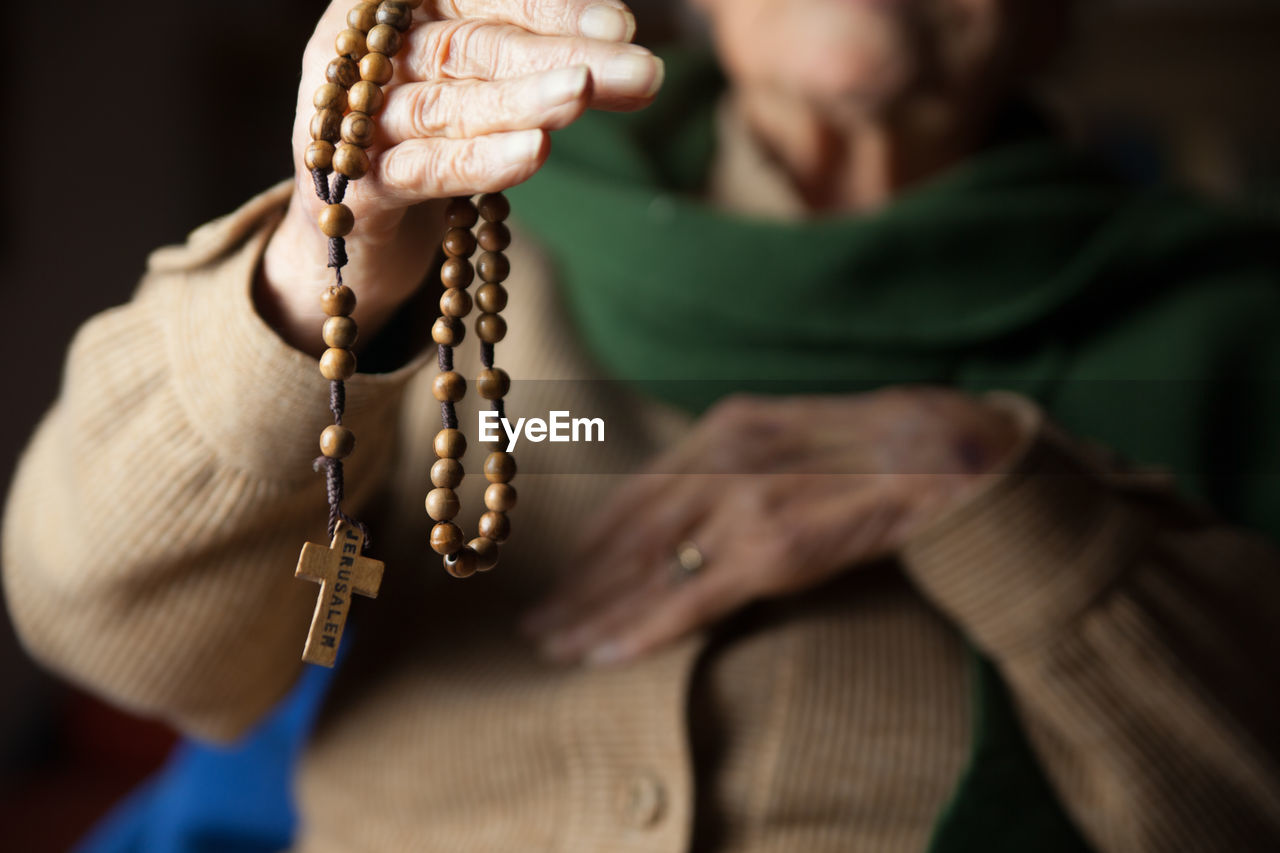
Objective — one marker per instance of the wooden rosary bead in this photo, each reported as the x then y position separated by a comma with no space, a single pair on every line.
491,298
350,42
457,272
492,266
411,4
493,236
500,497
461,213
339,332
442,504
337,363
338,301
448,331
337,220
495,526
365,97
461,563
350,160
358,129
494,207
455,302
376,68
493,383
395,14
342,71
491,328
486,551
459,243
383,39
363,17
445,537
446,473
499,467
326,125
337,442
319,155
330,96
450,444
449,386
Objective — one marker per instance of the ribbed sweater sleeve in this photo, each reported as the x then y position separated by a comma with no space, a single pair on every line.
155,518
1137,636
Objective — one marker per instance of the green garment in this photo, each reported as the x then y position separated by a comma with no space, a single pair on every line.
1144,320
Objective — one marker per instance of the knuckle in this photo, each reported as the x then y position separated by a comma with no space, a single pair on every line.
451,46
426,108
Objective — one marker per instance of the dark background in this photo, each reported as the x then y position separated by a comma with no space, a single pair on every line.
130,124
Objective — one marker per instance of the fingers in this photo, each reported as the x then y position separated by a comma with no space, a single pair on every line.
421,169
607,20
460,109
623,75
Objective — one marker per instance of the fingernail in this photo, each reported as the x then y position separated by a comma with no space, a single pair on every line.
520,145
607,23
641,73
556,87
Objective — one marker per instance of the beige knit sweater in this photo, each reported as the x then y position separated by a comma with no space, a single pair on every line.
155,521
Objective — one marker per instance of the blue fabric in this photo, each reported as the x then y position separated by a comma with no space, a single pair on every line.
221,799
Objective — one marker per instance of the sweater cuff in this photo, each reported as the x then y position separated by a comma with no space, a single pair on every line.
1027,555
258,402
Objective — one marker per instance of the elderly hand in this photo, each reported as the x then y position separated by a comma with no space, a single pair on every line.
779,495
478,84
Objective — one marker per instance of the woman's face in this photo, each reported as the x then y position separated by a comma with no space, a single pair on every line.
866,55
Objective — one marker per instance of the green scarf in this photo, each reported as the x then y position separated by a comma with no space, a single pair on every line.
1029,267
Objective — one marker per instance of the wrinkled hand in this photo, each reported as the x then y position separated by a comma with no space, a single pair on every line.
478,85
779,495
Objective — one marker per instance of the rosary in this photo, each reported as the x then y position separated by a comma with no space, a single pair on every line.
341,130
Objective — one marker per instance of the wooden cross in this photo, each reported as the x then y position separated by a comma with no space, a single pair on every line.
340,571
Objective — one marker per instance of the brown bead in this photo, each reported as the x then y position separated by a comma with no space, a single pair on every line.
495,526
494,207
499,467
461,213
500,497
350,42
383,39
491,298
358,128
459,243
342,71
337,220
493,236
337,363
365,97
376,68
450,444
350,160
327,125
319,154
449,386
457,272
395,14
493,383
461,563
445,537
491,328
412,4
339,332
486,551
442,504
338,301
363,17
448,331
446,473
330,96
455,302
492,266
337,442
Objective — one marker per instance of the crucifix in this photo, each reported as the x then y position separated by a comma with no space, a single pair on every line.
341,572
